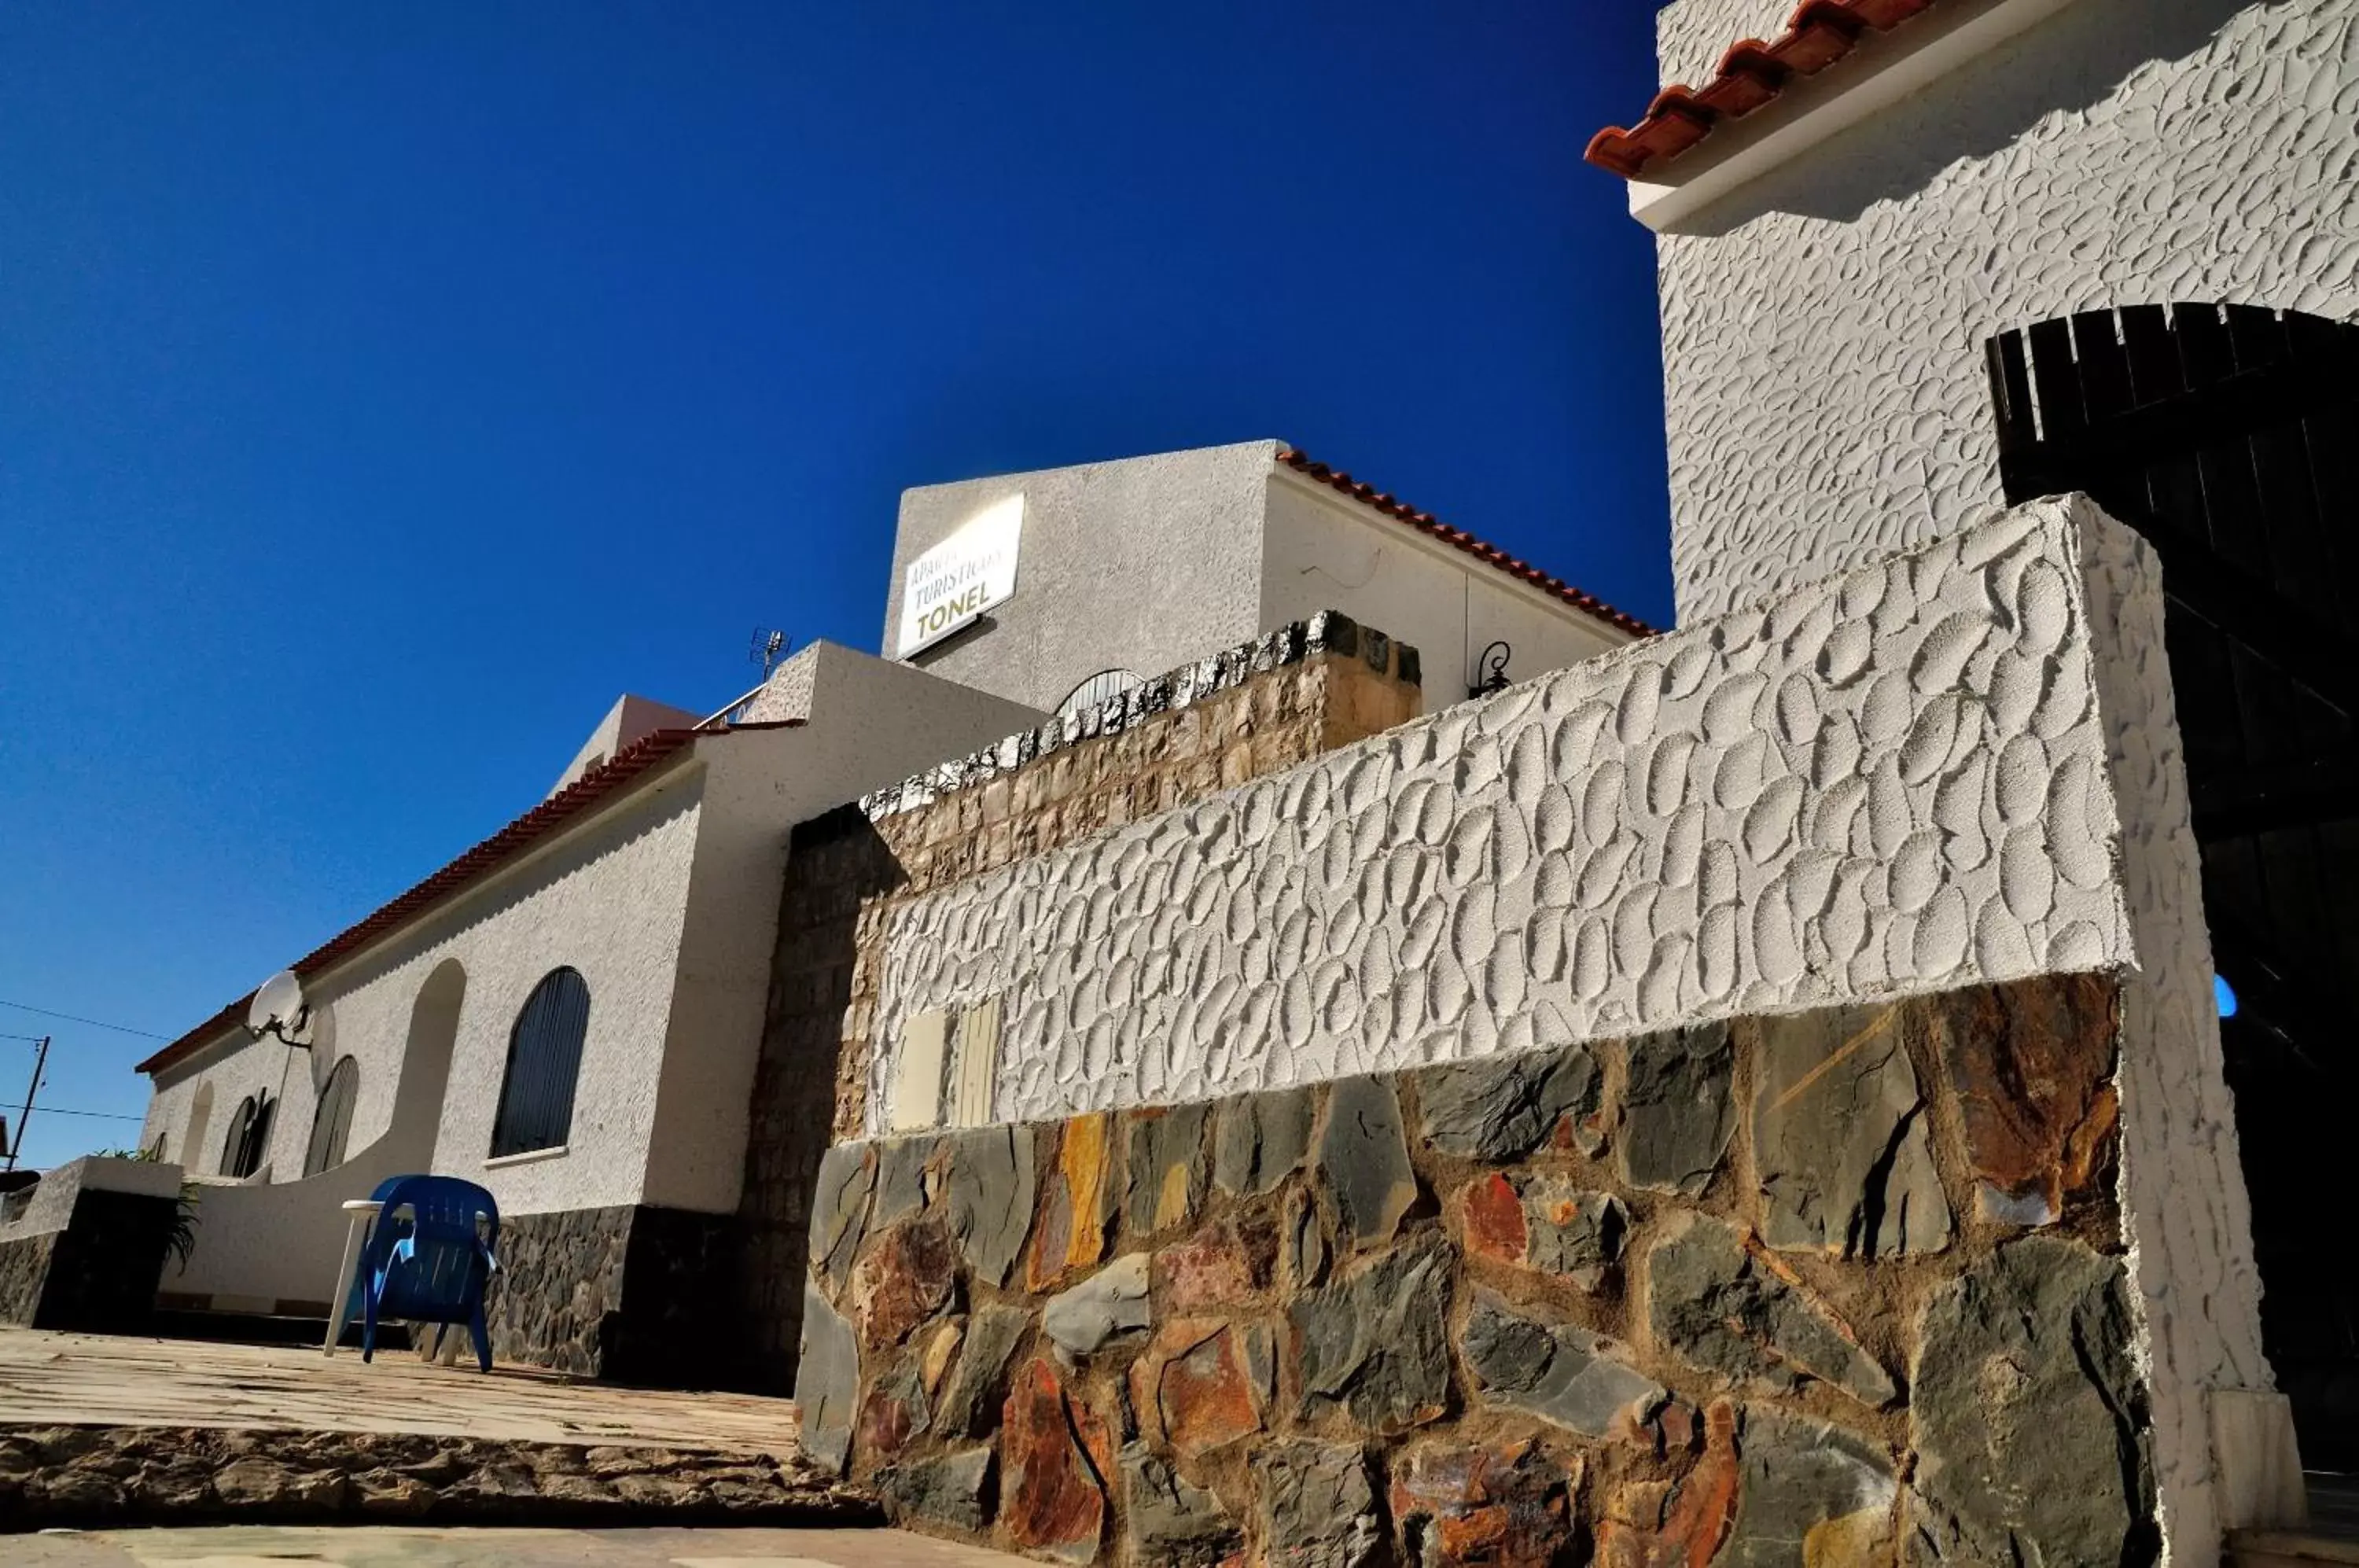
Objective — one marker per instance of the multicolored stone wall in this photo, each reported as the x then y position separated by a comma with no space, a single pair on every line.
1252,710
1819,1289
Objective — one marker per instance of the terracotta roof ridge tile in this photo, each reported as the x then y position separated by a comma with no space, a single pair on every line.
547,818
1458,538
1750,74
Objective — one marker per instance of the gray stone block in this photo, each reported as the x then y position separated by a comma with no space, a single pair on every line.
1261,1139
1505,1107
900,1178
827,1386
847,1178
969,1401
1809,1492
1109,1303
1560,1372
1711,1303
1167,1521
2027,1414
1317,1506
990,1197
1841,1139
1373,1343
952,1489
1166,1166
1362,1158
1676,1115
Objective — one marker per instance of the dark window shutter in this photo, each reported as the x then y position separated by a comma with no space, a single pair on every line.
331,1124
544,1061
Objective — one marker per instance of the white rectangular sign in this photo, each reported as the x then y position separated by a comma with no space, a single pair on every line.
951,585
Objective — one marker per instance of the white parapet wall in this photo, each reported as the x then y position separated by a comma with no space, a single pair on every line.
1956,765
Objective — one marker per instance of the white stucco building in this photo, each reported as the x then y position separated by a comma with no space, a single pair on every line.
1134,567
1832,260
631,915
654,876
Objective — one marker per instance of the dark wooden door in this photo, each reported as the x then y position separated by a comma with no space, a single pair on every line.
2229,436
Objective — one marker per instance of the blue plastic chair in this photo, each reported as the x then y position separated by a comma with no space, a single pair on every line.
431,1264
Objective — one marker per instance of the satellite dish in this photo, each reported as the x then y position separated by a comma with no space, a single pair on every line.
319,1034
277,1008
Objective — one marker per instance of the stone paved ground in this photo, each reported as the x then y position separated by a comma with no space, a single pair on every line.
265,1547
52,1379
99,1432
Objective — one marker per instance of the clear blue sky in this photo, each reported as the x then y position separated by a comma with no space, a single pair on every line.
383,389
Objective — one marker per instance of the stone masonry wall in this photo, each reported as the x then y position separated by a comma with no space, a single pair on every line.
1815,1288
630,1294
97,1275
1250,711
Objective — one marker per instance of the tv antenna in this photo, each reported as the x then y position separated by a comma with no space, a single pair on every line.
765,648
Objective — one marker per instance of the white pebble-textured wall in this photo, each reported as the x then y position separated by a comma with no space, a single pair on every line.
1889,781
1825,393
1692,35
2182,1184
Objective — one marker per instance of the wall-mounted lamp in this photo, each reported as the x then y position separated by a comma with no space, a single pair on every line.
1491,670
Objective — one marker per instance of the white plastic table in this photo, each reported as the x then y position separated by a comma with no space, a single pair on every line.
358,1213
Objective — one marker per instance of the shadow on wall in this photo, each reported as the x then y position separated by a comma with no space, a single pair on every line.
841,862
2068,64
279,1241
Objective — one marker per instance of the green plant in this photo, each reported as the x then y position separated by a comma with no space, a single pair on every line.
181,1239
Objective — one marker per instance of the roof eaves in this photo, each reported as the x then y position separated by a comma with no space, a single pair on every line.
1751,74
1458,538
578,802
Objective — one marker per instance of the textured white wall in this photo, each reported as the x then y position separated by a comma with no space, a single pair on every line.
1825,395
1326,551
630,719
667,905
2183,1185
1142,563
867,723
1891,781
51,1207
609,901
1691,35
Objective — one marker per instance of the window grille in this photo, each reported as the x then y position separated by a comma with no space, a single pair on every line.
331,1123
535,1107
1097,688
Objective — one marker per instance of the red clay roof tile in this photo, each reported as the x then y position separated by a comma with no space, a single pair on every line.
1750,74
1426,523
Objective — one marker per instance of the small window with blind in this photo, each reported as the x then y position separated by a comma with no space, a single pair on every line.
331,1123
536,1108
249,1137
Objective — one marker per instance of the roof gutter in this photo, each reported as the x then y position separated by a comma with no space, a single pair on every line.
1880,72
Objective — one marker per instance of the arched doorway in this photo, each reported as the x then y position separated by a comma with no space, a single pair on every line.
2228,435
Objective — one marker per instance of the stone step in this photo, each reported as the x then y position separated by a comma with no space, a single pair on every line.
260,1328
2289,1548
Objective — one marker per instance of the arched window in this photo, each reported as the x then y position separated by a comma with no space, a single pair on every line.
544,1057
331,1120
1098,687
249,1136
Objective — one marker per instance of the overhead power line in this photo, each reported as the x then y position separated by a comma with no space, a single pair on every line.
109,1115
69,1018
34,1039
